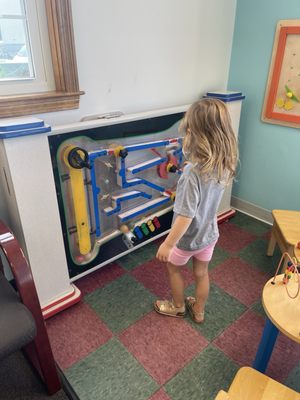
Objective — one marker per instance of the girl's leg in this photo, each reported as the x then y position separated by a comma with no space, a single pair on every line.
200,269
176,284
175,307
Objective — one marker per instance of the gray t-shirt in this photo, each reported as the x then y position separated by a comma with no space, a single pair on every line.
198,199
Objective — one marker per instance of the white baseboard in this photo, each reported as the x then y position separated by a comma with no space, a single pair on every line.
251,209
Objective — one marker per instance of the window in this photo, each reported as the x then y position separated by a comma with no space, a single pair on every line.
38,70
25,57
15,53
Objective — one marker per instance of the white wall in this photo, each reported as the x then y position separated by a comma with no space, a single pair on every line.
139,55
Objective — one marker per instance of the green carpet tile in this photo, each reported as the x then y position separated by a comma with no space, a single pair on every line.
293,380
121,302
203,377
111,373
255,254
258,308
219,257
251,225
220,311
138,257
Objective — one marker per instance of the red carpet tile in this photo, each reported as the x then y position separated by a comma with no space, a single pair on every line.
232,238
99,278
241,339
240,280
160,395
153,275
163,345
78,328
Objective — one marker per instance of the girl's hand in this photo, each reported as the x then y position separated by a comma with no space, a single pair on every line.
178,229
163,252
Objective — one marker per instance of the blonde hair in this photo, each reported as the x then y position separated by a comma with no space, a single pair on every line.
210,142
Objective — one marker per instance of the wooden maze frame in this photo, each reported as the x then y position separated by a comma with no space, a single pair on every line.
279,89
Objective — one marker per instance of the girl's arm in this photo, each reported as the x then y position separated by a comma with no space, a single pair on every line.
178,229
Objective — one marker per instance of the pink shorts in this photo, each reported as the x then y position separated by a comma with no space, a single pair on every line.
181,257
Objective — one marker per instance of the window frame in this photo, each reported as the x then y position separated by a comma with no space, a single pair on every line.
66,94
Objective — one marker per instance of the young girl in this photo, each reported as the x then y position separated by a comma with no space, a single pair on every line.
210,147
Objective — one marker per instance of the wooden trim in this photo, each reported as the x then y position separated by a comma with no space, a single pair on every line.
283,29
66,95
35,103
276,71
59,15
270,114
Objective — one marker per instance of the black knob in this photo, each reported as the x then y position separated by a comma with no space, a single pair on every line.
123,153
78,158
173,168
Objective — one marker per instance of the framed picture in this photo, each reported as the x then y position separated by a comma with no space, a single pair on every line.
282,98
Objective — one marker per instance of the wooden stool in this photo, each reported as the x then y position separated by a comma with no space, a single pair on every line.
285,232
249,384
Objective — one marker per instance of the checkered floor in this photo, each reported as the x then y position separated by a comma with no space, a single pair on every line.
113,346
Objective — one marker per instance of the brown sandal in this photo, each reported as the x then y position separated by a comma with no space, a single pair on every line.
197,317
167,307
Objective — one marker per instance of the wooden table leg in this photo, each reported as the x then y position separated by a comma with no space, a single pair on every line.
265,347
272,243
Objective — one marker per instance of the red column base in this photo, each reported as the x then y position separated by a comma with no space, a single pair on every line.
61,304
226,215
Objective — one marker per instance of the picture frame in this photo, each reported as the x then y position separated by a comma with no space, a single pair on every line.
282,97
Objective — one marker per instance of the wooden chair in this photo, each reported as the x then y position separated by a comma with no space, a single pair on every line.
249,384
21,320
285,232
222,395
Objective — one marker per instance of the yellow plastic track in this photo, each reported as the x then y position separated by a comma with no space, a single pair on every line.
80,204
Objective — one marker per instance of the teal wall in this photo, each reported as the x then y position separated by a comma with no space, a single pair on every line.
269,174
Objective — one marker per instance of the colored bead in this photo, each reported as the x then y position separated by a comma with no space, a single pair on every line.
150,225
156,222
145,229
